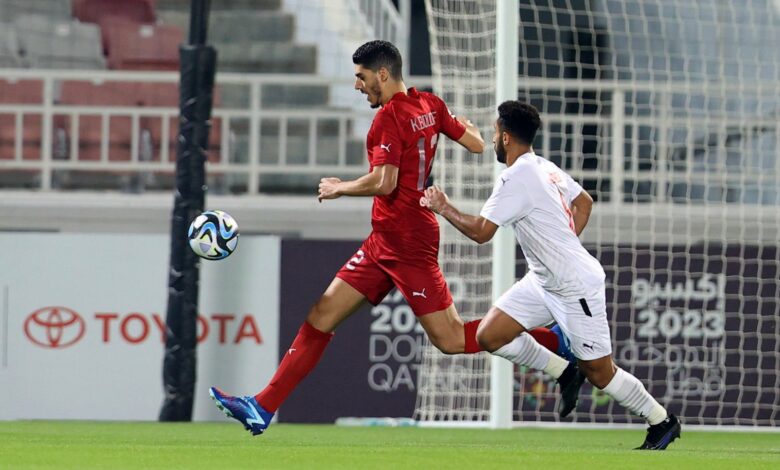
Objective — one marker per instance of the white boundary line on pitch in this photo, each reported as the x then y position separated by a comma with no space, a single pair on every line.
595,426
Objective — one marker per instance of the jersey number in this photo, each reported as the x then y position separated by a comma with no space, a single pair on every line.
422,159
355,260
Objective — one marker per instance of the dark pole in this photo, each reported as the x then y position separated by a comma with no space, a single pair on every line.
198,68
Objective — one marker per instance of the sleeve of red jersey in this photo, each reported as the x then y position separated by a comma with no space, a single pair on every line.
450,126
387,139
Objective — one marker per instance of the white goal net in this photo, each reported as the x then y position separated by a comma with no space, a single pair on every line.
668,113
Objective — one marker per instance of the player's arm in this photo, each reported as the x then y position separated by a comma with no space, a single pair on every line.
472,138
580,211
475,227
460,129
380,182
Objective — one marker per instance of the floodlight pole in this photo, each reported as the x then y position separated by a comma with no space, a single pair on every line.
501,370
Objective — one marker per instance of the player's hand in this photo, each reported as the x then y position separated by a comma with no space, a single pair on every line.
329,188
436,200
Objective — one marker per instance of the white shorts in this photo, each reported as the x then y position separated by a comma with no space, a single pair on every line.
582,319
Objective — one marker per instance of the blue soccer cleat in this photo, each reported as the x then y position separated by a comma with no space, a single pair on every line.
660,435
563,345
245,409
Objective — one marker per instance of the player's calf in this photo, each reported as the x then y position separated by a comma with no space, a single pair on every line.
629,392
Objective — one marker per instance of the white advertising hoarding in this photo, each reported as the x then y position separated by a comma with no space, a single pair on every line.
82,320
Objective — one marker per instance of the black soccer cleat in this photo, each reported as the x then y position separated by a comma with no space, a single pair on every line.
569,384
660,435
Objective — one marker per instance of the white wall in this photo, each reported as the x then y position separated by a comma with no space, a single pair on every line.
93,212
117,284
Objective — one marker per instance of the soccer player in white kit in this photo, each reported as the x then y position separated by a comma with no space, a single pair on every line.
548,210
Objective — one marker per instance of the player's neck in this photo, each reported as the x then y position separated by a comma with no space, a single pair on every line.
512,155
391,89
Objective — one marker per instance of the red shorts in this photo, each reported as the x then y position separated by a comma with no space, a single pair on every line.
374,270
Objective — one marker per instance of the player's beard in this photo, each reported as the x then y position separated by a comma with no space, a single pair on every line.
374,92
500,151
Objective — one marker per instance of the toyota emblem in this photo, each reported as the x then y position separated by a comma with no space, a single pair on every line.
54,327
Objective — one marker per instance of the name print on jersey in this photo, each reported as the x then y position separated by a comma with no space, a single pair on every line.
423,121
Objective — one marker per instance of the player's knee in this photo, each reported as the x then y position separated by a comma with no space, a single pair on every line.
319,318
448,347
445,344
489,341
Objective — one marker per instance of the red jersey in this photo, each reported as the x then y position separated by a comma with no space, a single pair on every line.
404,134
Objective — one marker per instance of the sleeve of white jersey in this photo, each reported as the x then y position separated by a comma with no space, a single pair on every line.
508,202
573,188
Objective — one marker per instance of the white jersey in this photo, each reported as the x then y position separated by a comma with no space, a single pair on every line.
534,196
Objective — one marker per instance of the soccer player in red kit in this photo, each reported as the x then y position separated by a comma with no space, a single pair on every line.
402,249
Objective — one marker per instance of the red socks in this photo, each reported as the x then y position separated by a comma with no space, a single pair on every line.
470,330
545,337
308,346
304,353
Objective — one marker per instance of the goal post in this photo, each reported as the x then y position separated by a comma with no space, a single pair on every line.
674,132
504,240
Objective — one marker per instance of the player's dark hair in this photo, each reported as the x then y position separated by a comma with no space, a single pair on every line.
520,119
375,54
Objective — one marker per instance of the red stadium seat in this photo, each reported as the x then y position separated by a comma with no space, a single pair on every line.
21,92
134,46
155,130
166,95
112,93
132,94
109,94
28,92
125,94
159,95
92,11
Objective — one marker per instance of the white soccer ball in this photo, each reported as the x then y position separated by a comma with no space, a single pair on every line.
213,235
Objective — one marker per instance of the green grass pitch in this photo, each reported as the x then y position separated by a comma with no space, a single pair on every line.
88,445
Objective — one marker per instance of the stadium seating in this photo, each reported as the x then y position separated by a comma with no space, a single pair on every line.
251,37
48,43
9,47
111,94
271,57
239,26
254,36
58,10
93,11
135,46
222,5
105,94
127,94
21,92
27,92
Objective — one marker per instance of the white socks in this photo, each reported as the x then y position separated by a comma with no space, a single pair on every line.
524,350
630,393
624,387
